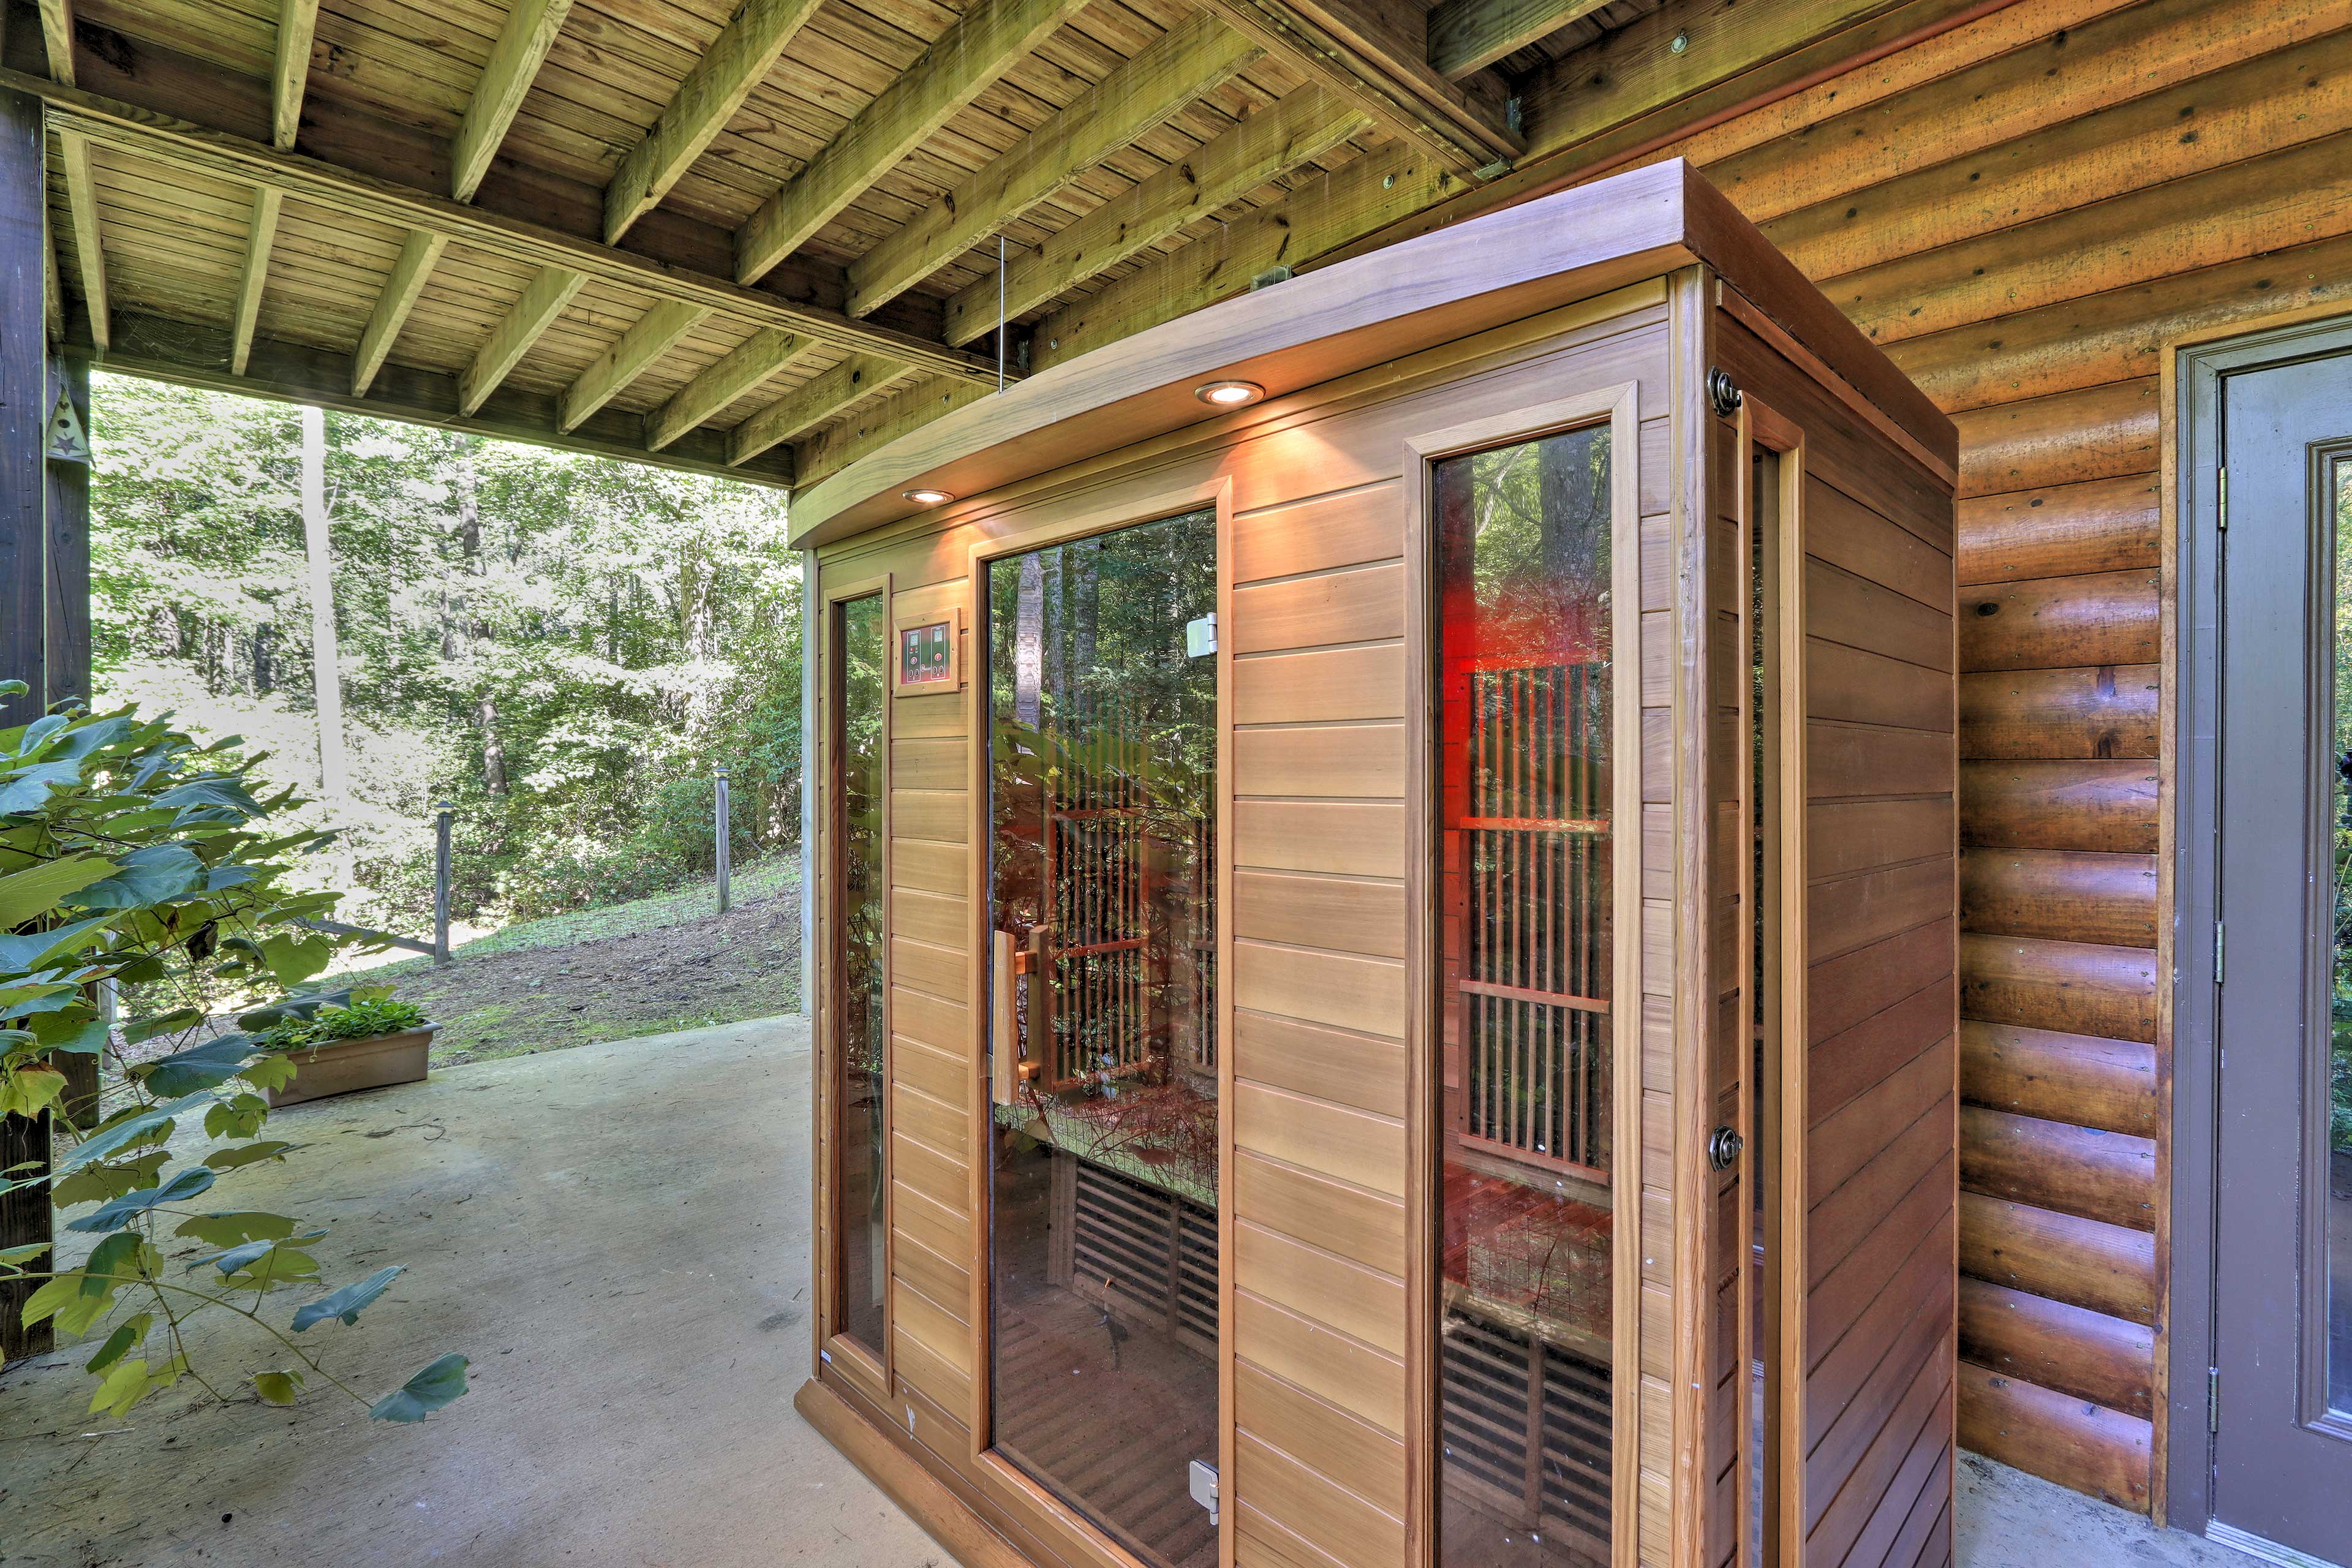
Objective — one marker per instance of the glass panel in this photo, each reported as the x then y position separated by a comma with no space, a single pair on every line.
1524,692
2337,1249
1103,759
861,647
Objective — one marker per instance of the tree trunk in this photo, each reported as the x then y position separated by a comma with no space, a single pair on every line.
494,756
326,661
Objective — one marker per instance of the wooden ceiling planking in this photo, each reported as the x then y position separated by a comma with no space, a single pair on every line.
241,36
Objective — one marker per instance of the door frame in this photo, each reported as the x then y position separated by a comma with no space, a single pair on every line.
2186,1320
1049,523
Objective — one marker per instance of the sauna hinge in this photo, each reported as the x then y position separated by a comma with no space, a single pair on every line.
2220,948
2221,500
1204,1487
2213,1399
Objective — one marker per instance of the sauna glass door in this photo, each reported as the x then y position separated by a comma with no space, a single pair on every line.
1102,733
1525,712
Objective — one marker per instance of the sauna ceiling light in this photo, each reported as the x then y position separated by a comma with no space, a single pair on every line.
926,496
1229,394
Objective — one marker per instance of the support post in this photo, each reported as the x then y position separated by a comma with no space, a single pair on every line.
725,902
24,1214
441,881
326,658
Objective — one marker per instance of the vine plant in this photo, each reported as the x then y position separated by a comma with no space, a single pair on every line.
131,854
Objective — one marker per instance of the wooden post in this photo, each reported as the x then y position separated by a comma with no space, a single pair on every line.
441,881
24,1214
725,902
326,659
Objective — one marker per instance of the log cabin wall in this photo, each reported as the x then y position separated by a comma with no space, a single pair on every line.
1315,937
2023,211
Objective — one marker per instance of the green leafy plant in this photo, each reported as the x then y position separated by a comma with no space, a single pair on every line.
370,1011
131,854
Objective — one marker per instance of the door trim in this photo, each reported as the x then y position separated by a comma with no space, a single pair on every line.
2189,1076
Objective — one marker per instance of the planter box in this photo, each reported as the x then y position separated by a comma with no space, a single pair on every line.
345,1066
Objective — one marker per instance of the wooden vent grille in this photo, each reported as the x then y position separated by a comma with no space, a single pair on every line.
1141,1251
1526,1432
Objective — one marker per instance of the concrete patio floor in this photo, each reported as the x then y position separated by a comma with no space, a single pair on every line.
618,1237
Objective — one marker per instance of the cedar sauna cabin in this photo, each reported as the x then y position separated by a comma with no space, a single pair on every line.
1386,901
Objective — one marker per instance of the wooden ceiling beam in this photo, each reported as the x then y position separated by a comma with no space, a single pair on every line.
260,235
1290,134
1466,36
1191,59
56,37
195,354
976,49
810,404
1377,63
82,202
738,60
767,352
338,187
514,62
290,71
655,334
418,252
543,299
1598,109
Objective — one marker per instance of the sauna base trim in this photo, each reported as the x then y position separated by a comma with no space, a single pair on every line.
904,1480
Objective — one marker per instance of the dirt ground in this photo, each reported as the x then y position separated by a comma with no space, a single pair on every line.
718,969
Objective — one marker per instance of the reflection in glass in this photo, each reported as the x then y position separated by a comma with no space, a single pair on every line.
1102,771
1524,694
2338,1246
860,648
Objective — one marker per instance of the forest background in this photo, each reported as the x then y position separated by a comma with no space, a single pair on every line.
565,648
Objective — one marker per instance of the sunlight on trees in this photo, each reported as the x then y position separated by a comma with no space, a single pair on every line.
566,647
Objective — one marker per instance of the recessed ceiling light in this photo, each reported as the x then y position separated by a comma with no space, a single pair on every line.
926,496
1229,394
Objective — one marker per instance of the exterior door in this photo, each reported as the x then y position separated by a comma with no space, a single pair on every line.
2283,1205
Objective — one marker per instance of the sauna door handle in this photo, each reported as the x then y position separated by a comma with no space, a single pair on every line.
1723,1149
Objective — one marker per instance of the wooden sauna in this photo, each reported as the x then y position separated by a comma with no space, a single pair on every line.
1385,910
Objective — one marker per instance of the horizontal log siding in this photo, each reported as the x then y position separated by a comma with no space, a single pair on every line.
2024,228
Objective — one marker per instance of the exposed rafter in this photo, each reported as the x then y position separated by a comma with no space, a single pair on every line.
289,72
1270,143
53,288
82,200
809,406
767,352
56,37
655,334
523,42
952,72
418,252
1383,73
1466,35
736,62
196,354
220,155
260,235
1193,57
543,299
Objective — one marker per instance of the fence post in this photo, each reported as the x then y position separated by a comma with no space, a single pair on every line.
724,900
441,882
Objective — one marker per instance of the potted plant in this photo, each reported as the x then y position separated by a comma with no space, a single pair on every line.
340,1046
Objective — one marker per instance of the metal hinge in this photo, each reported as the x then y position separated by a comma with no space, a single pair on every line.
2221,493
2221,949
2213,1399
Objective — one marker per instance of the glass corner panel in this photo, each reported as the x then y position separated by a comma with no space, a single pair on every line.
1526,948
859,1046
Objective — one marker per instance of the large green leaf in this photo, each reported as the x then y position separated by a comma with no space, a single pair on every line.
238,1156
79,1299
127,1132
35,951
153,874
439,1383
96,1184
235,1227
116,1213
347,1302
223,793
27,790
26,895
120,1342
205,1065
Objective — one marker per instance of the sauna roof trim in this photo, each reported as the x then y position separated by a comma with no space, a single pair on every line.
761,237
1437,288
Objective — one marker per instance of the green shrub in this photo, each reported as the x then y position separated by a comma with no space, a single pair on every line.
368,1015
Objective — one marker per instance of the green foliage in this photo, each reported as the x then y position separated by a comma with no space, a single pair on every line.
131,852
565,647
367,1017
